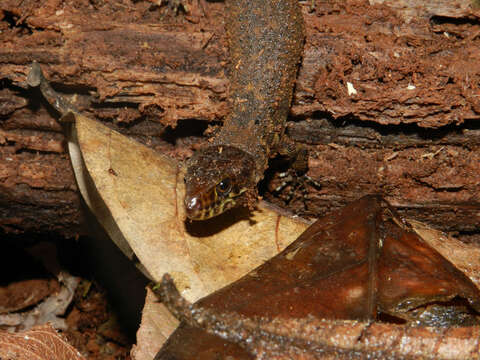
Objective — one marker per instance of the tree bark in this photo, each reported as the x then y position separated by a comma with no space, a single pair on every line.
387,101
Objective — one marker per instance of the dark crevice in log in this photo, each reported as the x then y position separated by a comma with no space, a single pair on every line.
442,20
322,129
16,22
185,129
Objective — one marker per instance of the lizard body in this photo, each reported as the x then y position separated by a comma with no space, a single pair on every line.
265,44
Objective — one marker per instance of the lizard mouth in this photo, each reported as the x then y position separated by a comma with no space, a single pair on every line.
209,204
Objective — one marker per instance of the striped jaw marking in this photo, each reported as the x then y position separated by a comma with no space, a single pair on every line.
212,202
218,178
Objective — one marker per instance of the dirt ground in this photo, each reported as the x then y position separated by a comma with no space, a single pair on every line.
94,320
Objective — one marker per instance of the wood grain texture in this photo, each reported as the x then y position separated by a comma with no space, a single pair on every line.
413,66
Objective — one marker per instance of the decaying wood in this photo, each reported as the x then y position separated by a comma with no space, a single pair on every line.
398,84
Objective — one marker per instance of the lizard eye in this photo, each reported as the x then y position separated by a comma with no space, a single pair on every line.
224,186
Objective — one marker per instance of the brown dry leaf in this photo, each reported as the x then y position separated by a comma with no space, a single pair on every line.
41,342
143,192
354,263
29,282
22,294
50,310
157,325
359,263
465,257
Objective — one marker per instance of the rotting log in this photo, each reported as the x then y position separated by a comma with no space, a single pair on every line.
387,101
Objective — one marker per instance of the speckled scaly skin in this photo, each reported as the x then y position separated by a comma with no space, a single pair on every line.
265,43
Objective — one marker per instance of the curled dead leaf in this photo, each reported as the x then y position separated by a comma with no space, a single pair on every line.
360,263
144,198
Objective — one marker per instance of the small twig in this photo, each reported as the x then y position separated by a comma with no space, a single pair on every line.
36,78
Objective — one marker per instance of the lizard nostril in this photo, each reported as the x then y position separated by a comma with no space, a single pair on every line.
192,203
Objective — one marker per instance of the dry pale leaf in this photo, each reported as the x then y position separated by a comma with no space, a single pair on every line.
157,325
88,190
41,342
143,192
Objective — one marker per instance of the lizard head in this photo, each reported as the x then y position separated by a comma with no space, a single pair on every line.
218,178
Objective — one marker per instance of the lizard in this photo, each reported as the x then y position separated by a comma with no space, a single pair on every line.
265,44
